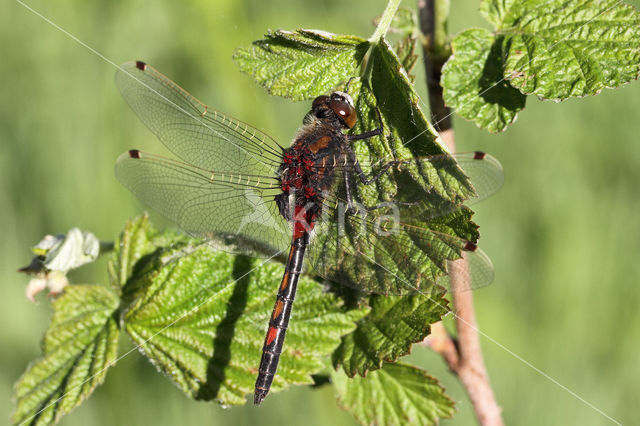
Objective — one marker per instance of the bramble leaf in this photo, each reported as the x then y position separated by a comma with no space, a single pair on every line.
396,394
559,49
407,133
78,348
398,101
137,240
201,320
552,49
406,50
388,331
303,64
473,84
133,243
405,22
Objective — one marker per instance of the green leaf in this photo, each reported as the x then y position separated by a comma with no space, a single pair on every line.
407,133
558,49
411,133
457,223
133,243
137,240
388,332
396,394
78,347
201,320
303,64
405,23
473,84
553,49
406,50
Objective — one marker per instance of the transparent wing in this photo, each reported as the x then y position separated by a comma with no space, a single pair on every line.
433,185
403,239
372,255
475,270
195,133
235,209
482,170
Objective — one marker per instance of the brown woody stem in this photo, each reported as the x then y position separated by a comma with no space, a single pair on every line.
463,357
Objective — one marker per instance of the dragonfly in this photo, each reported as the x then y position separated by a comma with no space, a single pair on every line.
236,187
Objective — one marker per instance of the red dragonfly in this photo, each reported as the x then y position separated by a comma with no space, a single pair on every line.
234,184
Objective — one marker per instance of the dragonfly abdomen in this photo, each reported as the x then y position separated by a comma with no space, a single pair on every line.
279,321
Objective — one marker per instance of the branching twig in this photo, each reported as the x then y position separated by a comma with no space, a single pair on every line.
464,358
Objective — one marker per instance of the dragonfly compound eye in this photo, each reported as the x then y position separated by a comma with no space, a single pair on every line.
344,109
320,100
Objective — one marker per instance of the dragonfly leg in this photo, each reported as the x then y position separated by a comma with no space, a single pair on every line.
391,203
370,133
282,201
367,180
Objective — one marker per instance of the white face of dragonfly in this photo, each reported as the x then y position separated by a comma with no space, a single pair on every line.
346,97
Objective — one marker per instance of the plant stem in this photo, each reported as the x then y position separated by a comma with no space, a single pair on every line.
464,358
434,15
385,20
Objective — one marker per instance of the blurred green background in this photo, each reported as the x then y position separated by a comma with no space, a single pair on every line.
563,233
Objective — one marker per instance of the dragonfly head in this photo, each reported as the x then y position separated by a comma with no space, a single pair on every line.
339,104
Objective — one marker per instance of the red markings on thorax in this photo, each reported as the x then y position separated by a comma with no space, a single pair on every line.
302,174
299,162
309,192
294,171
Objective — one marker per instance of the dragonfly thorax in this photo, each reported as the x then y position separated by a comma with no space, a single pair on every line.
308,166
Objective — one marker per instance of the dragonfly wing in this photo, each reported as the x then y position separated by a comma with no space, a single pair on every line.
483,170
237,210
475,270
195,133
380,257
403,238
427,187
